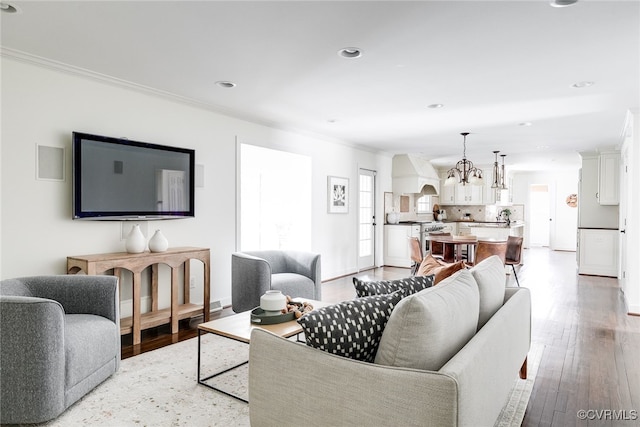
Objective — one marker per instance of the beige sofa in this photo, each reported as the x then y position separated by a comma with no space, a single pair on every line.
430,370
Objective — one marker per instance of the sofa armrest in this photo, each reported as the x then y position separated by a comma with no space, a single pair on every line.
79,294
488,365
291,384
32,359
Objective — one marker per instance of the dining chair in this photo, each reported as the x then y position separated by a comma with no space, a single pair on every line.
486,248
514,254
416,254
438,248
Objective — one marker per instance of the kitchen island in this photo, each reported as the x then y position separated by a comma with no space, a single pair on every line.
491,230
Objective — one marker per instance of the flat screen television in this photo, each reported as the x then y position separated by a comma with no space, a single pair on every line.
120,179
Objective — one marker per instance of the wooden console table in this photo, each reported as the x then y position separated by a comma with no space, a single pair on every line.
136,263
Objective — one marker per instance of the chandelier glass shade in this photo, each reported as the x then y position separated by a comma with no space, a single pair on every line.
464,171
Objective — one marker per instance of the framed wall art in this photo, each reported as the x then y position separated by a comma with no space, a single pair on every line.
338,194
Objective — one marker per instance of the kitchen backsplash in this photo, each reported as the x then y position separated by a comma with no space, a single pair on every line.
393,203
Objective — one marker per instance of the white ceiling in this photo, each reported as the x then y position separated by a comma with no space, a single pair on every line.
493,64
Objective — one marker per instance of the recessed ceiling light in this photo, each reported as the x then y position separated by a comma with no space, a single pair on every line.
525,124
225,84
435,106
580,85
562,3
8,8
350,52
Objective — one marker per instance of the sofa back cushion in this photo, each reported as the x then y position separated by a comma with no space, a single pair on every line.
426,329
491,279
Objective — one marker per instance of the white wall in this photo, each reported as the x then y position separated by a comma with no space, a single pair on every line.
564,218
43,106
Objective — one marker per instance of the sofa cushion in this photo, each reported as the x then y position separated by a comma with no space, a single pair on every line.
426,329
351,328
491,280
409,285
441,270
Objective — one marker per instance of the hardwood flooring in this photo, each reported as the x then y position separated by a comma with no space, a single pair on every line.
591,360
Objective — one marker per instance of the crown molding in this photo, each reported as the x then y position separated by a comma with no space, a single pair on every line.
121,83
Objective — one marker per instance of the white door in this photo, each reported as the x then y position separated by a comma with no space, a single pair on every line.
625,196
366,219
540,215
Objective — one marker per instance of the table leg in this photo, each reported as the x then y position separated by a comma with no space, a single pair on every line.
135,316
175,326
219,390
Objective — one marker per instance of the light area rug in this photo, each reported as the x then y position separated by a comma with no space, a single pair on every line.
159,388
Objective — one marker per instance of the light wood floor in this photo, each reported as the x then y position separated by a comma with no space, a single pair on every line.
591,358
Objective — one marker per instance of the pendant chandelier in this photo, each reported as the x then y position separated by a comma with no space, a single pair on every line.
466,172
498,173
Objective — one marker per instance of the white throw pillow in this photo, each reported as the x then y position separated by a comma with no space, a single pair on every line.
426,329
491,279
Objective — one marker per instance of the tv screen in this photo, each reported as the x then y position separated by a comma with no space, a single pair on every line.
119,179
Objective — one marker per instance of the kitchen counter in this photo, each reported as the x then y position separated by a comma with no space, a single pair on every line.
488,224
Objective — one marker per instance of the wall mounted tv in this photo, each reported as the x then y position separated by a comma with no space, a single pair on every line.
120,179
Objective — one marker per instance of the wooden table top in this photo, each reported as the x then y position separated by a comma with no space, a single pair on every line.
238,326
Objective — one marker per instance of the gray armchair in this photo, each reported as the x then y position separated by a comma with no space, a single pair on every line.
59,338
253,273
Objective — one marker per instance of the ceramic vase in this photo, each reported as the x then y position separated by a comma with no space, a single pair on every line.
273,301
393,217
158,242
135,242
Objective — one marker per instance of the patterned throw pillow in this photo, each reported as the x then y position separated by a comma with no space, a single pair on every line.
351,328
409,285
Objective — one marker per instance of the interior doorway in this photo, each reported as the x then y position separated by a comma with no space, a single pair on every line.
540,215
366,219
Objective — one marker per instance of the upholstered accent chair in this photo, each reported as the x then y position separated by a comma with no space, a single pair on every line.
59,338
253,273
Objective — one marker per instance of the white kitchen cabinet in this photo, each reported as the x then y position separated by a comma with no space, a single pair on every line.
609,178
397,251
447,194
598,252
468,194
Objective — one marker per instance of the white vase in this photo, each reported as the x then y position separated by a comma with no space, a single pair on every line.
273,301
393,217
158,242
135,242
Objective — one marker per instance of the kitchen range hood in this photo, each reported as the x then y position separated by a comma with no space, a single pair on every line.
413,174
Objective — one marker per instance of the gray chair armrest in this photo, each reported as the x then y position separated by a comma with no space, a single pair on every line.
306,264
248,269
79,294
32,356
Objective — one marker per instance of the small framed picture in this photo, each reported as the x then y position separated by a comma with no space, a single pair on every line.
338,192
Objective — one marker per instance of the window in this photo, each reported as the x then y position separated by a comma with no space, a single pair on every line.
275,199
423,205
